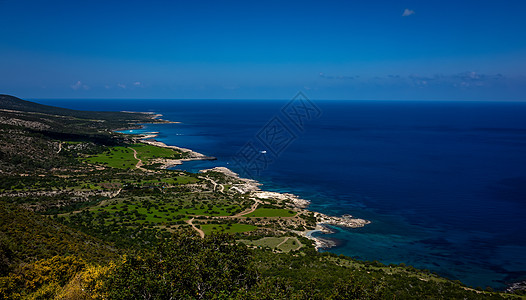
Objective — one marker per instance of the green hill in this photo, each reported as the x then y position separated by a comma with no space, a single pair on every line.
17,104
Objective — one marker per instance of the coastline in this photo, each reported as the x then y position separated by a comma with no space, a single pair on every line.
252,187
189,154
322,220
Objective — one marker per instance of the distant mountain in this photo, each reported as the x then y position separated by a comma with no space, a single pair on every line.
14,103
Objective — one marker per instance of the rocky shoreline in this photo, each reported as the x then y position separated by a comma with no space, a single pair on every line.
516,286
322,220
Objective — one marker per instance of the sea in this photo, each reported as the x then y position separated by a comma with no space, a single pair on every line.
442,182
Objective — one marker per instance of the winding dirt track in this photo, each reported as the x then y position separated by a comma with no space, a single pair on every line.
246,212
286,239
139,161
283,242
201,233
215,184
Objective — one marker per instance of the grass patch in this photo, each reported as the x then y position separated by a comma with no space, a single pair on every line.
270,242
291,244
149,152
115,157
270,212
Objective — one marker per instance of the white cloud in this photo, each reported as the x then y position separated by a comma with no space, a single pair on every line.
464,79
78,85
408,12
137,83
121,85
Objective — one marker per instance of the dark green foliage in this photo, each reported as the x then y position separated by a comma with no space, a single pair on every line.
6,256
185,266
325,276
27,237
280,288
123,237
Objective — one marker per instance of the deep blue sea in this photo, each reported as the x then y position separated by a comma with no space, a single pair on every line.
444,183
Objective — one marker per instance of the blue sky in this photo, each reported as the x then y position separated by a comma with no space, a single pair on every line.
414,50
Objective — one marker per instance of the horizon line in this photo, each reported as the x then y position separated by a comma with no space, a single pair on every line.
282,99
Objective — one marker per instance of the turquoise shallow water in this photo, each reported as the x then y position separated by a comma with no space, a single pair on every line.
444,183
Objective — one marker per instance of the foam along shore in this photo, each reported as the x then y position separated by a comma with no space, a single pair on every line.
322,220
148,138
320,243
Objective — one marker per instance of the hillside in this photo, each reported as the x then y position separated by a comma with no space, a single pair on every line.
26,237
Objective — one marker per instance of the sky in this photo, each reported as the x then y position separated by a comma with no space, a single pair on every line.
363,50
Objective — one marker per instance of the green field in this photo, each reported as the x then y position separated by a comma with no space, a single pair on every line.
233,228
147,152
115,157
123,158
270,212
153,211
